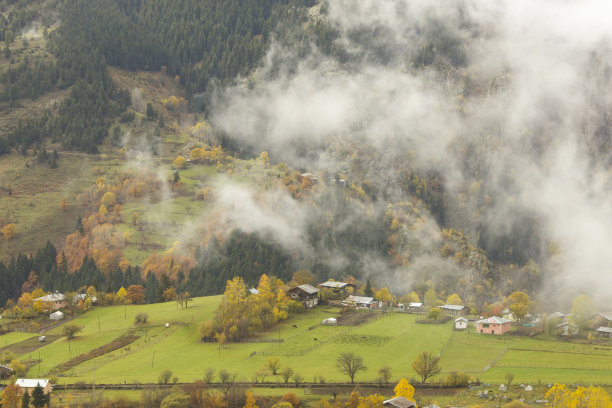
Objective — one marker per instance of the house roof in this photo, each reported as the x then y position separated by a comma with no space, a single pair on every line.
452,307
55,297
603,329
461,319
360,299
58,313
83,296
605,315
415,304
253,291
307,288
399,402
335,285
494,320
31,383
556,315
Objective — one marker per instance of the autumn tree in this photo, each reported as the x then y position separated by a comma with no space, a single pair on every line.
518,303
385,374
404,389
70,330
9,231
135,294
426,365
582,311
10,396
179,163
121,294
108,200
273,365
454,299
350,364
371,401
250,400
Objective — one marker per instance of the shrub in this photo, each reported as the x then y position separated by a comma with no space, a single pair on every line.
292,399
457,379
164,377
141,318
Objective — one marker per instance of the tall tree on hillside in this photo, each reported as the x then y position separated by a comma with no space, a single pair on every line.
350,364
518,303
426,365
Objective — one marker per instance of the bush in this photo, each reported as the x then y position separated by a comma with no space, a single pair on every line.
164,377
292,399
141,318
457,379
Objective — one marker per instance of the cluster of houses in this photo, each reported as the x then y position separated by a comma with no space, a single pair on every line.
57,301
309,296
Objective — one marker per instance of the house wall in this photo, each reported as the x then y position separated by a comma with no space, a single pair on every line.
461,325
494,328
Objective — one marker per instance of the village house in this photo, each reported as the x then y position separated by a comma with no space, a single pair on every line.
453,310
562,318
415,307
604,319
54,301
307,294
461,323
360,301
82,296
604,331
399,402
5,371
493,325
341,288
566,329
508,315
30,384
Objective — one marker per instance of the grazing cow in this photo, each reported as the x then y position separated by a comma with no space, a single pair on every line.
315,339
294,326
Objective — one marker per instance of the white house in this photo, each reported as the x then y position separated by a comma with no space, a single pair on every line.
461,323
56,315
30,384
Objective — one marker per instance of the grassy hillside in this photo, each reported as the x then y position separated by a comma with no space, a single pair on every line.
391,339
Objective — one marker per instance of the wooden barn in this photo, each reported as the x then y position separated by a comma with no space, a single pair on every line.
307,294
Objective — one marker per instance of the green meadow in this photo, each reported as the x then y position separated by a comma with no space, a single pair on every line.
392,339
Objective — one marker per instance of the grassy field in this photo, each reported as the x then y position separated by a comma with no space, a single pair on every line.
392,339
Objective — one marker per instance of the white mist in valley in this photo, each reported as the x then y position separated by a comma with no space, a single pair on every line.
522,111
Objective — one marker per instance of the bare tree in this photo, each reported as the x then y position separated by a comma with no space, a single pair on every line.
349,364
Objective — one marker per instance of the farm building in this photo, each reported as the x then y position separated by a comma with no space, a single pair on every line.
30,384
307,294
604,319
507,314
253,291
566,329
82,296
493,325
453,310
339,287
54,301
415,306
604,331
461,323
360,301
399,402
57,315
5,371
558,315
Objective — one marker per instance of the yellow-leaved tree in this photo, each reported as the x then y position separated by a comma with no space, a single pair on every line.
404,389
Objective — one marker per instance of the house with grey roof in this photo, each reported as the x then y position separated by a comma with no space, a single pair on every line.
343,288
307,294
604,319
360,301
453,310
604,331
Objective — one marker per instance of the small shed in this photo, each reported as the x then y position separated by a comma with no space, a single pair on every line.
253,291
332,321
528,388
42,339
567,329
604,331
399,402
56,315
502,387
307,294
453,310
493,325
604,319
343,288
461,323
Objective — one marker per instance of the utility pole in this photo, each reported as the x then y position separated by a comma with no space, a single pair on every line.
93,389
153,360
98,322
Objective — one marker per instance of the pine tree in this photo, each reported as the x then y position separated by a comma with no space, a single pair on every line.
38,397
368,289
25,400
